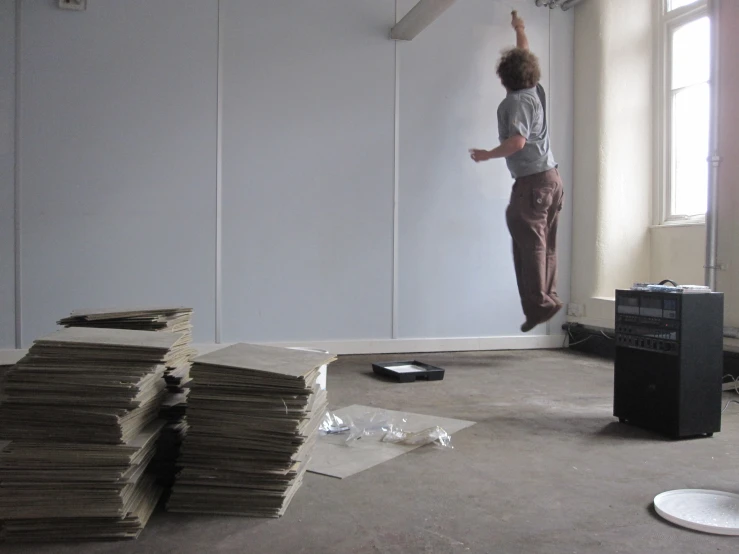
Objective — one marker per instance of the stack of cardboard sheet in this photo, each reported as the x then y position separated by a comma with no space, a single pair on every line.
254,413
8,358
175,319
80,410
165,464
169,319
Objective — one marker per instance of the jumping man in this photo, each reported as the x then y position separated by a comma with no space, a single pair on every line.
536,199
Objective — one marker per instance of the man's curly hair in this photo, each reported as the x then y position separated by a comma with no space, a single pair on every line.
518,69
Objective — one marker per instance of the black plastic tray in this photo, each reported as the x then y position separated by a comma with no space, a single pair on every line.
393,371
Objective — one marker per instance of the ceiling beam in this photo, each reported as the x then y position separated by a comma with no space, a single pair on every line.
421,16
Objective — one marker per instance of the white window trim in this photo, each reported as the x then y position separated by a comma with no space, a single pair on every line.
662,107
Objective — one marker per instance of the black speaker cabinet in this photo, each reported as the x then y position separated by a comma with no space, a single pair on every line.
669,361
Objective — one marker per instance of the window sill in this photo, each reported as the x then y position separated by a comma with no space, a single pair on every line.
679,223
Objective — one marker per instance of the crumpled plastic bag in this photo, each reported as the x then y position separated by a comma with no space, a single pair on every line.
427,436
332,424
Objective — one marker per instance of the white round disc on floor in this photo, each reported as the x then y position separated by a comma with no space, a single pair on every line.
714,512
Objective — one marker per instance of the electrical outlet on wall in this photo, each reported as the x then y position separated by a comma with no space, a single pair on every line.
576,310
78,5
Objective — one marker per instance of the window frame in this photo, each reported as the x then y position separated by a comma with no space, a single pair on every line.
667,22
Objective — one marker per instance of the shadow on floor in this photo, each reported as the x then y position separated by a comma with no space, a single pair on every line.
591,429
622,431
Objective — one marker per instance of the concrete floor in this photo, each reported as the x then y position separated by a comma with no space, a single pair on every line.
545,470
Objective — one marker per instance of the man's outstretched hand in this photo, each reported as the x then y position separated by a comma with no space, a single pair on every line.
479,155
507,148
516,22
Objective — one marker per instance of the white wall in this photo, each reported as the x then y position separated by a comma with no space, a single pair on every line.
7,169
119,148
678,253
586,198
728,187
561,125
308,130
613,145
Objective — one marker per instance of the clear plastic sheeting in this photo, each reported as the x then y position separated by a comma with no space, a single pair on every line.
362,447
387,426
375,423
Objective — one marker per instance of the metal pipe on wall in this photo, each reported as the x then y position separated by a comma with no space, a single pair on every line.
552,4
714,159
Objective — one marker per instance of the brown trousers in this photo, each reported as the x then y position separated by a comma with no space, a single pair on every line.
532,217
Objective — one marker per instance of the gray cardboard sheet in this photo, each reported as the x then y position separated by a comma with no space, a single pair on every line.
271,359
95,337
110,313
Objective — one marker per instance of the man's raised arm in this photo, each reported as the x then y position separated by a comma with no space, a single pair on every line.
518,26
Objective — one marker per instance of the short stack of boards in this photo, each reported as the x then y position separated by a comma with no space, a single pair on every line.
81,411
254,413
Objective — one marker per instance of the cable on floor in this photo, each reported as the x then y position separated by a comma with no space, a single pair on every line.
736,390
569,334
727,404
735,379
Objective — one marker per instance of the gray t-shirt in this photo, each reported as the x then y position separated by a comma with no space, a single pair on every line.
523,113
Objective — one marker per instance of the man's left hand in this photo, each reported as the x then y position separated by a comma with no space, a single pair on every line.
479,155
517,22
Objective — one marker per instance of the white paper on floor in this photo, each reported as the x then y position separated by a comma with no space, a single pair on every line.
332,456
408,369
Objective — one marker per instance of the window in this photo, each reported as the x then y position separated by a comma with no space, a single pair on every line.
675,4
684,109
